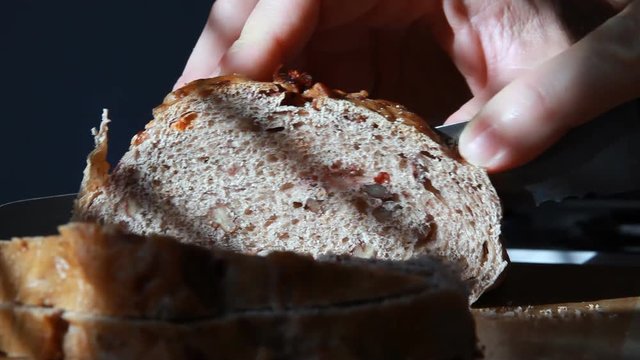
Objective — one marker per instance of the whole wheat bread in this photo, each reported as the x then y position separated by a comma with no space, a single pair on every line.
89,269
291,165
94,293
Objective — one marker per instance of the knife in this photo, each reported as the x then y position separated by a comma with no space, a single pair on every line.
35,217
600,158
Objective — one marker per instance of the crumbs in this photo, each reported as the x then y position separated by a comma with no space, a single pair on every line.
546,312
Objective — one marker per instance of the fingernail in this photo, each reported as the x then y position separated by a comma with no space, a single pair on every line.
481,146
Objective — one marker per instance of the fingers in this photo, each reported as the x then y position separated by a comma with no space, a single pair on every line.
466,111
274,32
618,4
599,72
223,27
342,57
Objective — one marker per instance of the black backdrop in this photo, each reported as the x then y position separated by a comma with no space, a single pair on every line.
63,61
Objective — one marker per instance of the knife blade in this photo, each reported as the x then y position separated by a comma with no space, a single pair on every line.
600,158
35,217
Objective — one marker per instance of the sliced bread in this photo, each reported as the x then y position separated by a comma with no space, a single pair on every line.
94,293
435,327
291,165
88,269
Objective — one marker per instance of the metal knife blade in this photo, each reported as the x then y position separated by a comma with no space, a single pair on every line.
599,158
35,217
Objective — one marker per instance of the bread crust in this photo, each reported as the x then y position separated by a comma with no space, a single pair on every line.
426,326
94,293
96,173
88,269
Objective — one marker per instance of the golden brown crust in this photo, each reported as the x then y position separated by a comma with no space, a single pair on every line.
91,293
425,326
90,270
293,81
37,335
201,88
96,173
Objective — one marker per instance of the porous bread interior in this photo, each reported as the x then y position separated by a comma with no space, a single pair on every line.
254,175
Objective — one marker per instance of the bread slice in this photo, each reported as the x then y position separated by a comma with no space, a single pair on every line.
291,165
396,329
88,269
94,293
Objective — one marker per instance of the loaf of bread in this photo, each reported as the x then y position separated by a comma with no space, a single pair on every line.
96,293
291,165
90,270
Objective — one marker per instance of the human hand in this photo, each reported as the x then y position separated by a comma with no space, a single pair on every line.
528,83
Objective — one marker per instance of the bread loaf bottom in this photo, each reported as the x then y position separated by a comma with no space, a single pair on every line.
96,293
91,269
425,326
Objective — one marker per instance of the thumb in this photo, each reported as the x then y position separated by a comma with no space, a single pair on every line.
467,111
527,116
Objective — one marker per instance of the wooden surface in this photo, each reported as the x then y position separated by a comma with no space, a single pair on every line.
562,312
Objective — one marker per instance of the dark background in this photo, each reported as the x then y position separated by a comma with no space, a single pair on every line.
62,62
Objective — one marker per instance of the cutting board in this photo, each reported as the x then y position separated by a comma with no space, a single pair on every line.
562,312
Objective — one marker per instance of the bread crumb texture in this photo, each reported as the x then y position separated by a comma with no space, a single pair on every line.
258,167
